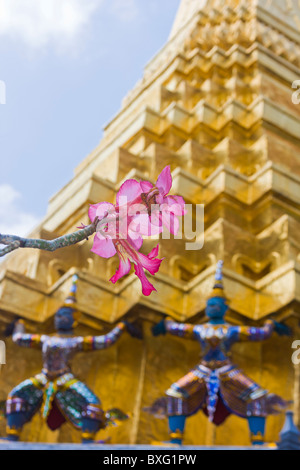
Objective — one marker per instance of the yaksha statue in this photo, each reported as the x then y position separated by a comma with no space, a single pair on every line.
55,391
215,385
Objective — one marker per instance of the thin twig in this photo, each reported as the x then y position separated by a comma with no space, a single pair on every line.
13,241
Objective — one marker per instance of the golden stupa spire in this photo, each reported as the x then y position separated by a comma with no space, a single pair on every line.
288,11
186,10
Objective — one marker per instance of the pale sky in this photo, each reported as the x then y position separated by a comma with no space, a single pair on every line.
65,66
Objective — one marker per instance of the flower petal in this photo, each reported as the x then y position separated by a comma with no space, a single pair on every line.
92,211
134,239
155,219
147,287
151,264
164,181
124,268
103,247
105,209
176,204
130,190
154,252
146,186
141,225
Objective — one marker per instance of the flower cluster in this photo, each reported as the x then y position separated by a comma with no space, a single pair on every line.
141,209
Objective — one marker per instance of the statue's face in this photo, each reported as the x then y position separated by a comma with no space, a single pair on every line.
216,308
64,320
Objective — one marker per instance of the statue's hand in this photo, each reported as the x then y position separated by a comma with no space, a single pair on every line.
159,328
134,330
282,329
10,328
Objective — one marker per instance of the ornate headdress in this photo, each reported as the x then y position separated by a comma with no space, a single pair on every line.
71,299
71,302
218,289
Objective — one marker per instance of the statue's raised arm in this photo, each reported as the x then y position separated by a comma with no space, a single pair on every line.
183,330
253,333
94,343
23,339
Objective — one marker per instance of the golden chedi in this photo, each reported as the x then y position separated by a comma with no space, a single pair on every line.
216,104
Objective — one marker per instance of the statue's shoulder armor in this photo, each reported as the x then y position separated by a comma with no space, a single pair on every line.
208,331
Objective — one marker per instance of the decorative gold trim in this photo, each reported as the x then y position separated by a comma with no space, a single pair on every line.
176,435
13,431
173,393
217,292
88,435
257,437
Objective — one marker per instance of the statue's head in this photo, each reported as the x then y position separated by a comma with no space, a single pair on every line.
64,319
216,306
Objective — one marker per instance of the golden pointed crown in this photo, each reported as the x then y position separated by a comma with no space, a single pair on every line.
71,299
218,289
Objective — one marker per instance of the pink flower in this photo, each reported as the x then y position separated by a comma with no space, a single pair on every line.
141,209
163,210
108,242
148,207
